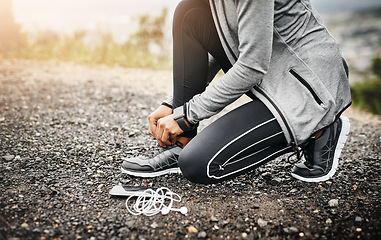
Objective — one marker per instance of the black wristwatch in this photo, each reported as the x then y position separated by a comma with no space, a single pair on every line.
179,114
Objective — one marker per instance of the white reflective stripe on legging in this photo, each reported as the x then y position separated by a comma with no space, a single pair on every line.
231,142
252,145
249,166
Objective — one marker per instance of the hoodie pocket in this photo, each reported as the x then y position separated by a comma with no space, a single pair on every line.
309,88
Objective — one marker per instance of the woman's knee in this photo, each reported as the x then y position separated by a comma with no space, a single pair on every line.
184,7
181,9
192,166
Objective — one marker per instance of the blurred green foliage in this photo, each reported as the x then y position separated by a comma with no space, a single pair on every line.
366,95
136,52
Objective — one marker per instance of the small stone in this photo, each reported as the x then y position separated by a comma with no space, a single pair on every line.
8,157
266,174
130,224
201,234
262,223
154,225
244,235
275,181
24,225
192,229
358,219
291,230
333,203
328,221
224,223
358,229
123,229
213,219
215,227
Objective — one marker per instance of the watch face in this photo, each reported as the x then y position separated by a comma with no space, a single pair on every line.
178,113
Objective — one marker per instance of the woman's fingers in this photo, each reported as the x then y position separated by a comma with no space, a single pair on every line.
166,137
159,133
173,138
163,132
167,131
152,127
160,112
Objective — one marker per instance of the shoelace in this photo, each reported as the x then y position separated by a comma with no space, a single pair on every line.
299,154
302,152
162,159
152,202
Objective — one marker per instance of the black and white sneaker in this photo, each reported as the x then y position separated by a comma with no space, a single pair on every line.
163,163
322,154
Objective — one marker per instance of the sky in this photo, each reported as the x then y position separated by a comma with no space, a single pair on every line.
120,16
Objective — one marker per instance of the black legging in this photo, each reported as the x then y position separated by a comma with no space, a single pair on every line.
194,36
240,140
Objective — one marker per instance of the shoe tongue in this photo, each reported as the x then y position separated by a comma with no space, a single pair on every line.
175,149
322,140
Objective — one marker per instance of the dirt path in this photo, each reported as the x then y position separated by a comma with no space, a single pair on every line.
64,129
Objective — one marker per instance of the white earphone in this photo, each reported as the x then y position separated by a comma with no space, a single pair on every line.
152,202
182,210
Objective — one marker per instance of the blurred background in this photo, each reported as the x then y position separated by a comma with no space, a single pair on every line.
132,33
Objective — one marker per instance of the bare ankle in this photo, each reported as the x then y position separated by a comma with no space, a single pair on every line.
183,141
318,134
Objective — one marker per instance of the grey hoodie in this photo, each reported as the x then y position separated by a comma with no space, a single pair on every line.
281,52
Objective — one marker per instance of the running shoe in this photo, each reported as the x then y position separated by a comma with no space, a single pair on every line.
161,164
322,154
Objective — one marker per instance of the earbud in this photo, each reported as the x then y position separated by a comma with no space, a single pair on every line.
166,210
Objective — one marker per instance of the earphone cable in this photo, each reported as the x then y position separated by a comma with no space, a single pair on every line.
152,202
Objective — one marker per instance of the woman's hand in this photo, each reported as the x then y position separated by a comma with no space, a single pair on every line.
167,131
160,112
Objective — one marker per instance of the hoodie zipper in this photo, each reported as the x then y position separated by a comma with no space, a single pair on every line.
218,24
308,86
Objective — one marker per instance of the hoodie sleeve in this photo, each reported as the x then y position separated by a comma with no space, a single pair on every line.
255,34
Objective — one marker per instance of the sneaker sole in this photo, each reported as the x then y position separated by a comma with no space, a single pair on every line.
345,126
151,174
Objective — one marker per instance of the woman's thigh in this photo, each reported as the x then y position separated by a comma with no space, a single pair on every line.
238,142
194,37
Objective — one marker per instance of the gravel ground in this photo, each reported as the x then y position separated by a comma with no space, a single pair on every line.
64,129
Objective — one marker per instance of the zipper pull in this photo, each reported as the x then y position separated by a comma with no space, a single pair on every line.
323,106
